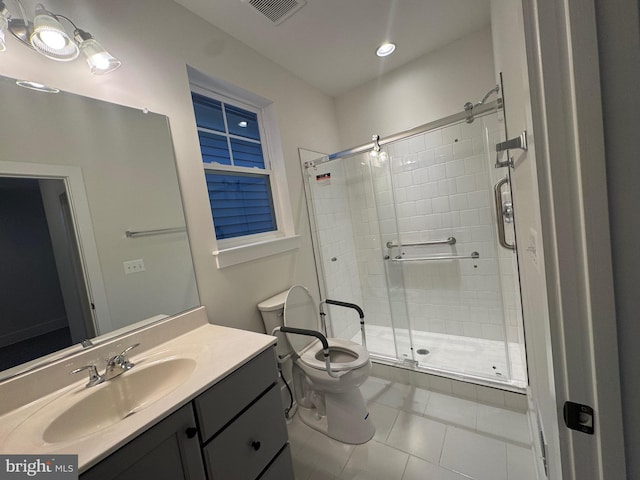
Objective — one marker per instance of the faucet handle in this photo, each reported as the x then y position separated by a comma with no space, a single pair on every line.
94,377
125,364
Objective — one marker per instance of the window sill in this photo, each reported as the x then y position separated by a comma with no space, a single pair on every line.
246,253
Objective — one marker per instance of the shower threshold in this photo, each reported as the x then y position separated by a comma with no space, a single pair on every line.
458,357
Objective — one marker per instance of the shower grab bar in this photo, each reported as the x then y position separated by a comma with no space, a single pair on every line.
160,231
474,255
448,241
497,193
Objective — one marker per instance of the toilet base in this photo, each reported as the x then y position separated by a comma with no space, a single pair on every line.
347,418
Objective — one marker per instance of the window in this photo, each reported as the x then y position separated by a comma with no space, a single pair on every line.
244,172
236,170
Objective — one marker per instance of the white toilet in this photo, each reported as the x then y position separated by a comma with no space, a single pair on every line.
330,402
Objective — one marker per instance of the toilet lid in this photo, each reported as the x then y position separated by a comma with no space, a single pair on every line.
300,312
314,357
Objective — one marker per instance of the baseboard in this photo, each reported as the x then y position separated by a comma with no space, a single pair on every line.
33,331
494,396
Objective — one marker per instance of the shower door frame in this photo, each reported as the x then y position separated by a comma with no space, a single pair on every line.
375,145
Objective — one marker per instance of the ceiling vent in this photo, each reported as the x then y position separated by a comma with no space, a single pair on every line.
276,10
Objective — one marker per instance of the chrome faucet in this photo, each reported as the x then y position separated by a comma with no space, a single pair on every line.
116,365
94,377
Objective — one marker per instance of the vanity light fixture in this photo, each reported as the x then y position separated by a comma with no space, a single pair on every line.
4,25
46,35
385,49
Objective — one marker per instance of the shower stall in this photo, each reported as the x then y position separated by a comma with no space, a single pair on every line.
418,229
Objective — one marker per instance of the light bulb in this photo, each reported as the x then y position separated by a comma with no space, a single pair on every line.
50,39
99,60
53,39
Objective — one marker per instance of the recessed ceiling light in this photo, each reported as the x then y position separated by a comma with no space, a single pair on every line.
243,124
385,49
37,86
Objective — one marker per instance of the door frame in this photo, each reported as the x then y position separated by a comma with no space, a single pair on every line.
88,250
562,58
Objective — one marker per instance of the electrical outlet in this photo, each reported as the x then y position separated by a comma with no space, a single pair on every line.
133,266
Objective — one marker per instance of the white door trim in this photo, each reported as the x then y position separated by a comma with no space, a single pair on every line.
566,108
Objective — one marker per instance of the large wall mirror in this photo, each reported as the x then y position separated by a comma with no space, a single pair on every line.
92,230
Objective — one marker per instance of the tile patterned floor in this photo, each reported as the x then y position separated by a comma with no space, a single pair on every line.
420,435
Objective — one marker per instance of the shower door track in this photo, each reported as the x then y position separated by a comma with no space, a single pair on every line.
501,384
441,122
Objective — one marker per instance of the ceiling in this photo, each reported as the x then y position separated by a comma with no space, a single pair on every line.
331,43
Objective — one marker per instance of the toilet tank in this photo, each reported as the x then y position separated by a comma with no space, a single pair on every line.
272,310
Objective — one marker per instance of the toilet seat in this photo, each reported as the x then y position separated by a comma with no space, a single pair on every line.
314,358
300,312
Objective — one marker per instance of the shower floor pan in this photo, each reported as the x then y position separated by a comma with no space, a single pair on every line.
475,357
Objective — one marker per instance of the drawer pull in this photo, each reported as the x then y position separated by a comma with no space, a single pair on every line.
255,445
191,432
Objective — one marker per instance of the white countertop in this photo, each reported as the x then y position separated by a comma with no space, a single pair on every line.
218,352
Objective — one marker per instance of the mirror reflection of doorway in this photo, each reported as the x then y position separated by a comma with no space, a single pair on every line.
44,305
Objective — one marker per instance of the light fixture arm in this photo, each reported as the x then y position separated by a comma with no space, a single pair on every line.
57,15
20,27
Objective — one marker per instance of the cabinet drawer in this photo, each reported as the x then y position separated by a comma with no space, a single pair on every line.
218,405
243,449
281,468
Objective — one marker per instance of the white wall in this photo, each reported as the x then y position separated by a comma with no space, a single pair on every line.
155,41
431,87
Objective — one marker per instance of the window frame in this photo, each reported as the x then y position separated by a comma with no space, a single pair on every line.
231,251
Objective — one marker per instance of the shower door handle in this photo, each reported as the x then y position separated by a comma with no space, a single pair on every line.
500,213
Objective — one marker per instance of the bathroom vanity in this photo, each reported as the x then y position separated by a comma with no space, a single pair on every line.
202,402
236,427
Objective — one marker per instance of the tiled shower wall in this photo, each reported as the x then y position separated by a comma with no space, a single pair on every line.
442,185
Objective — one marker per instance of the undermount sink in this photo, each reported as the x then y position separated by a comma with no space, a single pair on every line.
119,398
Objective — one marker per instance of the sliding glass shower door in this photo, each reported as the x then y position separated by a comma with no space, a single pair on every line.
444,255
409,233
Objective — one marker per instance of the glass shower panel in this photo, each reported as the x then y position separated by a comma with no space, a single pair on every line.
348,251
382,192
507,259
442,190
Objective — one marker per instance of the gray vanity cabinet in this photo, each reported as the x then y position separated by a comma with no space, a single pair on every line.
170,450
242,425
233,431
